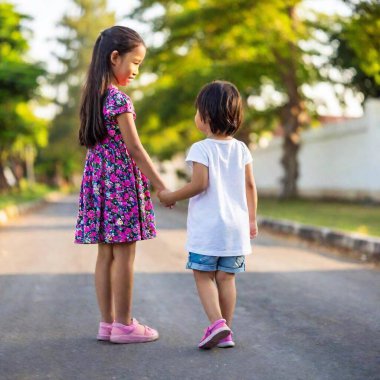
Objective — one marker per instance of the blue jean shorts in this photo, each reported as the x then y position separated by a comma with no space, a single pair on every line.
229,264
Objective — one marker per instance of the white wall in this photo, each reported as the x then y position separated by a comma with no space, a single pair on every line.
339,160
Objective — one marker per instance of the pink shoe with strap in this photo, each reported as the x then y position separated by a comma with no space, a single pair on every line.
104,332
214,333
133,333
227,342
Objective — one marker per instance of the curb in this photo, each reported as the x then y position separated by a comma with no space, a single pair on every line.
13,211
362,247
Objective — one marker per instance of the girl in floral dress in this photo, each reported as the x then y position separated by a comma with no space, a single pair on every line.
115,208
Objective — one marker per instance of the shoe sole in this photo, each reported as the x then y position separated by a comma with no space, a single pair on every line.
214,338
121,339
103,337
226,345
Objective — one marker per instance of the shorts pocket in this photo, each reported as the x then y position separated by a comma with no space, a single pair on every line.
201,259
239,261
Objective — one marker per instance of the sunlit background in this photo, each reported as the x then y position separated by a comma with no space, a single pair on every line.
308,72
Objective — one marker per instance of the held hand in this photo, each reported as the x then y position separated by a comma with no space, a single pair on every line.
253,229
164,196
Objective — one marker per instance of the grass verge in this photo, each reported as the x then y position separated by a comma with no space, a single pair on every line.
26,193
344,216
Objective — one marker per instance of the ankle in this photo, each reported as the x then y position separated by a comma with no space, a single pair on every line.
105,324
217,323
217,319
124,321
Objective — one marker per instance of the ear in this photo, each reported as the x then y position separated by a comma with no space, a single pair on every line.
206,120
114,57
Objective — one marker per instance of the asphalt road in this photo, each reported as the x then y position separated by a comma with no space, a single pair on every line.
301,314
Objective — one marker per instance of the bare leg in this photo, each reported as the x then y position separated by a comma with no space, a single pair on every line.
103,281
122,281
208,293
227,294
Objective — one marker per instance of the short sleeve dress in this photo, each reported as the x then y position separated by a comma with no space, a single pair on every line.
114,202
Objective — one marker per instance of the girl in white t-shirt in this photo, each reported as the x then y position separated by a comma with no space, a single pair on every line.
222,207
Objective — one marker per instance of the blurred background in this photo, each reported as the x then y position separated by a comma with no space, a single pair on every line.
308,72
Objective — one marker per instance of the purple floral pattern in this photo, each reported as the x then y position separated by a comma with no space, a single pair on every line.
114,202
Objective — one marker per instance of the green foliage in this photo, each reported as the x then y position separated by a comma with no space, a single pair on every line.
359,47
363,33
250,43
35,129
254,44
26,193
18,84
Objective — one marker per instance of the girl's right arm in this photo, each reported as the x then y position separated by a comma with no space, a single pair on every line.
198,184
137,151
251,193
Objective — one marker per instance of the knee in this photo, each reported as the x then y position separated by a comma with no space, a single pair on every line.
104,259
124,261
224,276
203,275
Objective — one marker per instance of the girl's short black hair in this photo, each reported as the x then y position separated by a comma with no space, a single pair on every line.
219,103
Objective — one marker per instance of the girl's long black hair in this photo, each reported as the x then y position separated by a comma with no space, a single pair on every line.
92,129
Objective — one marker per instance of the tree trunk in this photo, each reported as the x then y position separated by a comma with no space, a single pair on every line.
17,168
291,118
289,158
29,164
4,186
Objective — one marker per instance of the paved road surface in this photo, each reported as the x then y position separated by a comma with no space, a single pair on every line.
300,314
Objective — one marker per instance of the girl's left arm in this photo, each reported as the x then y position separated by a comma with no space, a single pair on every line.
251,194
137,151
198,184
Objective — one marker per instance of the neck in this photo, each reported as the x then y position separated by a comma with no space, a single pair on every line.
113,81
219,137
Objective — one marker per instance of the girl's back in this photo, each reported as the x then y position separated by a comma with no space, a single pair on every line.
218,222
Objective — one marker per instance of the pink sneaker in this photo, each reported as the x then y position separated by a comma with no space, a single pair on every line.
226,342
214,333
133,333
104,332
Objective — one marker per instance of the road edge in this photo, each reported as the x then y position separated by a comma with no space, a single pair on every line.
364,248
13,211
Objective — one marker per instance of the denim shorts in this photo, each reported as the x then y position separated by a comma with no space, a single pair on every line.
229,264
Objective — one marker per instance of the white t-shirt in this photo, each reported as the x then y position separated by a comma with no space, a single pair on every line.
218,220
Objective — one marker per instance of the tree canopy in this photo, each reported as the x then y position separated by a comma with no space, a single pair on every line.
18,84
270,49
358,46
256,45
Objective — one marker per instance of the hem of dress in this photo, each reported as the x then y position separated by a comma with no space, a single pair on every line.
114,242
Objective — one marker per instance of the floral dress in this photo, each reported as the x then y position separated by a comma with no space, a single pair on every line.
114,202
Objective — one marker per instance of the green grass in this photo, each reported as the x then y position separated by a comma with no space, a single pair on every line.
25,194
344,216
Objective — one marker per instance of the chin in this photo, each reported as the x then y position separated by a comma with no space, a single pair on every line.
123,83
